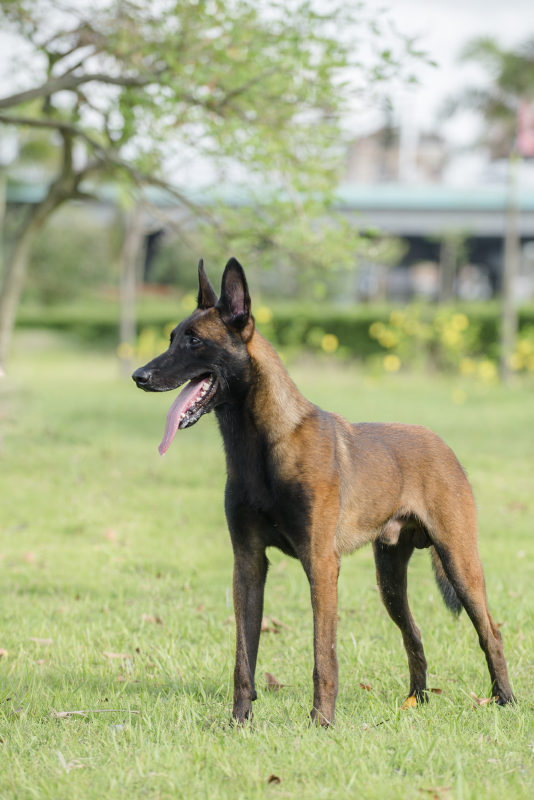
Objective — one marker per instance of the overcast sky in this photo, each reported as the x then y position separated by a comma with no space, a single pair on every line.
443,27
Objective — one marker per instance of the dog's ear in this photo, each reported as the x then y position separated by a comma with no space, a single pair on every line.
234,302
206,293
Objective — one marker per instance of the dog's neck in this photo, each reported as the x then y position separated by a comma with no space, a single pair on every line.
277,406
273,405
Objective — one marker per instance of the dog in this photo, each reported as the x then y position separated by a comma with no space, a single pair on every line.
317,487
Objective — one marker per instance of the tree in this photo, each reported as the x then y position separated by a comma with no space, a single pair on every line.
125,87
511,74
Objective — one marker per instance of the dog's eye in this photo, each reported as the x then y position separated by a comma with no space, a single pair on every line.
193,340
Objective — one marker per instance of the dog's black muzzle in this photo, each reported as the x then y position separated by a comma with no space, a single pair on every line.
142,378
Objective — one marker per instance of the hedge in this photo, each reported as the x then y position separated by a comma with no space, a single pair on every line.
295,325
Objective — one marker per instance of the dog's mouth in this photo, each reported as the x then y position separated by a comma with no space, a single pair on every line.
188,407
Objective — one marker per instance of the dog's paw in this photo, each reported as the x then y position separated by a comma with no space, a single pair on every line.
242,713
320,718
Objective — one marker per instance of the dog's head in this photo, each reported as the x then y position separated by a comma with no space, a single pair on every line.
208,349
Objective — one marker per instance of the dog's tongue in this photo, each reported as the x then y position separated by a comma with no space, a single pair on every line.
185,399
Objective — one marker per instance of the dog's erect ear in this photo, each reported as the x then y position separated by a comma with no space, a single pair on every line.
234,302
206,293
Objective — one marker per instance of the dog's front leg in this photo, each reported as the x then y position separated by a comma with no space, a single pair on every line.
250,573
323,573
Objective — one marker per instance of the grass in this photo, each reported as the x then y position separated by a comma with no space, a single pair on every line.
97,532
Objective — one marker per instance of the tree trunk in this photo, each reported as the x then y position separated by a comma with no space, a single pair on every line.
448,258
14,275
129,260
65,187
509,317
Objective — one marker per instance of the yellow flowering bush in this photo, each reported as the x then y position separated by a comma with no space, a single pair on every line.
448,341
522,360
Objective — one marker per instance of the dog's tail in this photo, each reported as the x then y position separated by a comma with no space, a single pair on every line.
452,601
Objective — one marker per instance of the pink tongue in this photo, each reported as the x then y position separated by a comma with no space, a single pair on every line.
185,399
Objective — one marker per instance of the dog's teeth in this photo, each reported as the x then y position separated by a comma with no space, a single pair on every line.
205,384
182,415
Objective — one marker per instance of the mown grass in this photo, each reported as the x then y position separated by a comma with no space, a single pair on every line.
97,530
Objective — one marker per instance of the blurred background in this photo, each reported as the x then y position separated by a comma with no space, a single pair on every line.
371,167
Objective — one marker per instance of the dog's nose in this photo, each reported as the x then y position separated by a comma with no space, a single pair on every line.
142,377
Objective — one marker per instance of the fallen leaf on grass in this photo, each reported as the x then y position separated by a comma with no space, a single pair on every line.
3,653
111,535
482,701
266,628
153,620
366,686
410,702
273,685
43,642
122,678
514,594
517,506
41,661
124,656
199,608
63,714
29,557
436,791
280,624
67,766
274,779
229,620
437,691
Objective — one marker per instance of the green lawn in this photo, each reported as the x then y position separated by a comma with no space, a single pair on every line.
100,538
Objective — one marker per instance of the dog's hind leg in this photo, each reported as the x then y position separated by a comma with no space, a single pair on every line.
464,571
392,577
250,573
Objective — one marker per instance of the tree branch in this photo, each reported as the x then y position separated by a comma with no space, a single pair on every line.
68,82
139,178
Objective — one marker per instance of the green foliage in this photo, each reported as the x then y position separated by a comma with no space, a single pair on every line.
258,91
72,256
298,326
98,534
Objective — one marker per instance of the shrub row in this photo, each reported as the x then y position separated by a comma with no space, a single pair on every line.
289,326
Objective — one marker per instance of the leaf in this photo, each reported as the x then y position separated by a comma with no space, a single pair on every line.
63,714
41,661
437,691
274,779
3,653
29,557
482,701
154,620
435,791
123,656
111,535
279,624
43,642
273,685
410,702
367,686
266,628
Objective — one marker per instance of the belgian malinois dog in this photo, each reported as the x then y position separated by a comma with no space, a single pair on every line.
317,487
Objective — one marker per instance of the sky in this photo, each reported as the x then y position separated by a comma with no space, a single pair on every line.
443,27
